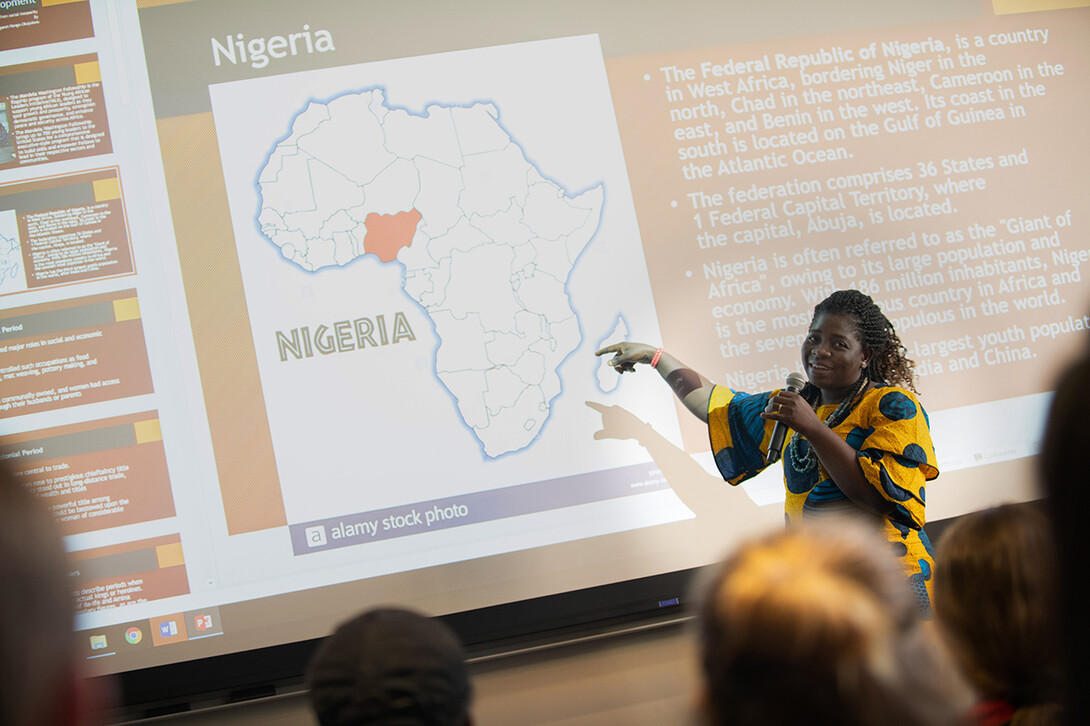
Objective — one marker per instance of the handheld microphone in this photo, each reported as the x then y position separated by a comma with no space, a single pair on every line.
795,383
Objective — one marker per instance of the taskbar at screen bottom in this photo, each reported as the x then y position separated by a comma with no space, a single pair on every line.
163,630
200,678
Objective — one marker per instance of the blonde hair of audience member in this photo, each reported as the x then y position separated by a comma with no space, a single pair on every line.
39,664
817,625
994,589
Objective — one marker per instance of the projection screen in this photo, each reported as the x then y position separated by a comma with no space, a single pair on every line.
300,300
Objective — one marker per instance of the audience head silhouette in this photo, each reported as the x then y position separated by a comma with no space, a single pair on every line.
817,625
994,590
1063,477
391,667
40,683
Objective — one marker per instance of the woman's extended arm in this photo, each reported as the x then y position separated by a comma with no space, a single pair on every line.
693,389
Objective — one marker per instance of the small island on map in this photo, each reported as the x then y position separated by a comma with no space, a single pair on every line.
486,241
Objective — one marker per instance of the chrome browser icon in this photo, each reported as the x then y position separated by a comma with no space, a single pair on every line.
134,635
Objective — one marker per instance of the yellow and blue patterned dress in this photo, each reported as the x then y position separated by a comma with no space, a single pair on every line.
889,430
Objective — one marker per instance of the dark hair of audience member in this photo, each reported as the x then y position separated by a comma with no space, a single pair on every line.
390,666
994,582
37,646
817,625
1067,500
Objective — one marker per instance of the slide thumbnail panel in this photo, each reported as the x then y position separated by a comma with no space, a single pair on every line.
96,475
72,352
62,229
52,111
26,24
129,573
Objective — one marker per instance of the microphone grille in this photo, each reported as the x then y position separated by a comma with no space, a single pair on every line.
796,381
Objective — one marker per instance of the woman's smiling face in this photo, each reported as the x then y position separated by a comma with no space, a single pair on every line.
833,355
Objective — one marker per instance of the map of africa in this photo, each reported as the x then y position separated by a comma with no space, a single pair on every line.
487,243
11,255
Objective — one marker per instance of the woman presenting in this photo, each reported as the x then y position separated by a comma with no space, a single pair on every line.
858,442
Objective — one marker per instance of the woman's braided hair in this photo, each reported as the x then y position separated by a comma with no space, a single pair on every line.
889,363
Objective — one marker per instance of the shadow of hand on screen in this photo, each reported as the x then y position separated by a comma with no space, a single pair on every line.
705,494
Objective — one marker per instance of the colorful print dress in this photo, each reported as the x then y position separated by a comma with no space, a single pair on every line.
889,430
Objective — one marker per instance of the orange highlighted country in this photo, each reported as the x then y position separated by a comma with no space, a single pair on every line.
388,233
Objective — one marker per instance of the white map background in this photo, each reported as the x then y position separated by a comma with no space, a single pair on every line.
12,277
367,429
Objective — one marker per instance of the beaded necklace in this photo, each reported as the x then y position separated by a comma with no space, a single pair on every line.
804,461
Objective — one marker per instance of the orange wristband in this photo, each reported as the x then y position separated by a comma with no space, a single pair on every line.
655,358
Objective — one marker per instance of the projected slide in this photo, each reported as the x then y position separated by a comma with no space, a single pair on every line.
367,258
411,262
